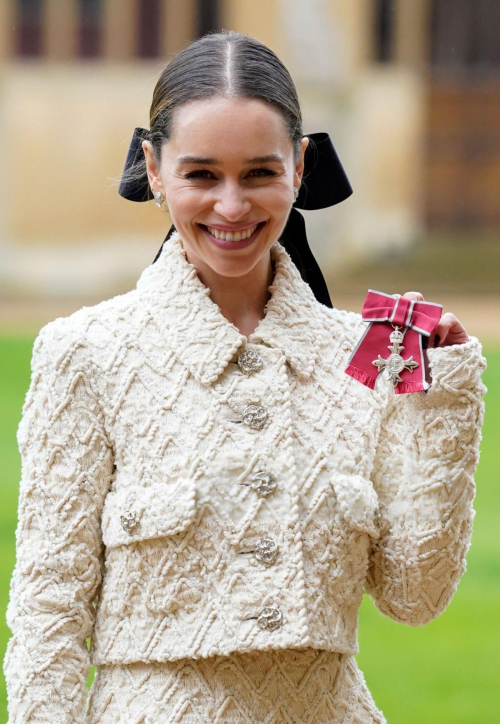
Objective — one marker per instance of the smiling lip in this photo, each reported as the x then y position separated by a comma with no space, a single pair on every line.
234,229
233,245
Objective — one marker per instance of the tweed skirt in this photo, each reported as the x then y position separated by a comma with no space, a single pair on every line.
278,686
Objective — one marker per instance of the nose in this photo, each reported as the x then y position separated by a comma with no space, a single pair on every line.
232,201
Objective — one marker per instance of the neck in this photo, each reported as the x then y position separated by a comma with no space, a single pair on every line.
242,299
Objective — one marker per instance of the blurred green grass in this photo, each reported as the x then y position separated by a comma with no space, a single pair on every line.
446,672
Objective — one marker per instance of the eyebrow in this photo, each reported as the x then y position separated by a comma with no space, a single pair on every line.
206,161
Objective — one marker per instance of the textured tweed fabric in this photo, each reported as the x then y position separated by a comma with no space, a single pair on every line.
176,504
303,686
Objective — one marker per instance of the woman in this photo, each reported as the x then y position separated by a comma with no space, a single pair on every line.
205,493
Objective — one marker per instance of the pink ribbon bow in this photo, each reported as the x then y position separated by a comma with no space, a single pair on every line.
395,323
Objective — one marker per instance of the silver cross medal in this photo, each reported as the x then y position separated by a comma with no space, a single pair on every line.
395,364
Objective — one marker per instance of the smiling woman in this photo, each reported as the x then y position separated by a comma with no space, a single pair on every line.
205,493
227,159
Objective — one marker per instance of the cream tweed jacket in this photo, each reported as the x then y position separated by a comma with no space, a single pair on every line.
188,491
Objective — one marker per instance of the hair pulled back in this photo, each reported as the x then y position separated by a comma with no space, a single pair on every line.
224,64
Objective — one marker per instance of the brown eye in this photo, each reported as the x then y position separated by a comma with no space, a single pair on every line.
256,172
198,174
263,172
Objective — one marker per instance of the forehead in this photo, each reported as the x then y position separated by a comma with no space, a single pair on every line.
228,127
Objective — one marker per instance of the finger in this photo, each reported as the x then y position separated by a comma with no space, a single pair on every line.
440,331
416,296
449,330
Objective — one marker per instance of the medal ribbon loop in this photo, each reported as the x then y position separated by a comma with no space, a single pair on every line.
384,312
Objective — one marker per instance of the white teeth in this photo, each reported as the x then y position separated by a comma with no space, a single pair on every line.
230,236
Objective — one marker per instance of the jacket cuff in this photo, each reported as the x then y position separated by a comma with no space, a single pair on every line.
457,366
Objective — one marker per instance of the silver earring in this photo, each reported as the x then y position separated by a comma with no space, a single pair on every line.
159,198
295,193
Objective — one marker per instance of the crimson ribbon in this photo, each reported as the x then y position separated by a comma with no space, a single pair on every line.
415,319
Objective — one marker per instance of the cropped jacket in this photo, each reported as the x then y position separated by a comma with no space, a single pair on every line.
188,491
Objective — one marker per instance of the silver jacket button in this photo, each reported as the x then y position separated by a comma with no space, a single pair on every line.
254,416
263,483
129,520
250,361
269,618
266,551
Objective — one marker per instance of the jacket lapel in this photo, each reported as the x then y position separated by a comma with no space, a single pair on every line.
204,340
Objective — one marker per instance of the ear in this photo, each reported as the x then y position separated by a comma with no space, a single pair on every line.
299,166
152,167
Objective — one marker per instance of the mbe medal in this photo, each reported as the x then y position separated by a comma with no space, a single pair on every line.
395,363
410,320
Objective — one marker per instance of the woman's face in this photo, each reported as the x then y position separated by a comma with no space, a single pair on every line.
227,174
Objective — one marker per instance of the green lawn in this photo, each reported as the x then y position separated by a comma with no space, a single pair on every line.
443,673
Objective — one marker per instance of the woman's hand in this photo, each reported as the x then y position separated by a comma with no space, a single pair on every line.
447,331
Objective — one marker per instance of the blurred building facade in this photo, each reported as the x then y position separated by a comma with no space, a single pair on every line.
409,92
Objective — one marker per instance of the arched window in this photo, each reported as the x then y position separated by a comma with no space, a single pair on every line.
207,17
90,29
383,20
149,23
465,35
29,28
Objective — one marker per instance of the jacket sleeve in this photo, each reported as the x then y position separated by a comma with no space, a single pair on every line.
423,473
66,464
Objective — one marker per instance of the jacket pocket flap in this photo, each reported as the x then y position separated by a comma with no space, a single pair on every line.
138,512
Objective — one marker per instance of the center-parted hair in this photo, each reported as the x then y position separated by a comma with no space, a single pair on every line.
223,64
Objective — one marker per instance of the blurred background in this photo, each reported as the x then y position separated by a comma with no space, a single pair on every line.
409,91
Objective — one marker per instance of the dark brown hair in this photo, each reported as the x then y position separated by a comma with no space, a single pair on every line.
225,64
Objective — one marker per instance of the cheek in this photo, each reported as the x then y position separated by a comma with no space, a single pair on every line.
274,197
186,200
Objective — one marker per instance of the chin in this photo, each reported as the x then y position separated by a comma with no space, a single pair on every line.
232,267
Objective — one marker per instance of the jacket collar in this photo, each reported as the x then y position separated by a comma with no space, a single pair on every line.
204,340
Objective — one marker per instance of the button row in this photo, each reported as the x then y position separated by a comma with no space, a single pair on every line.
266,551
254,416
264,484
